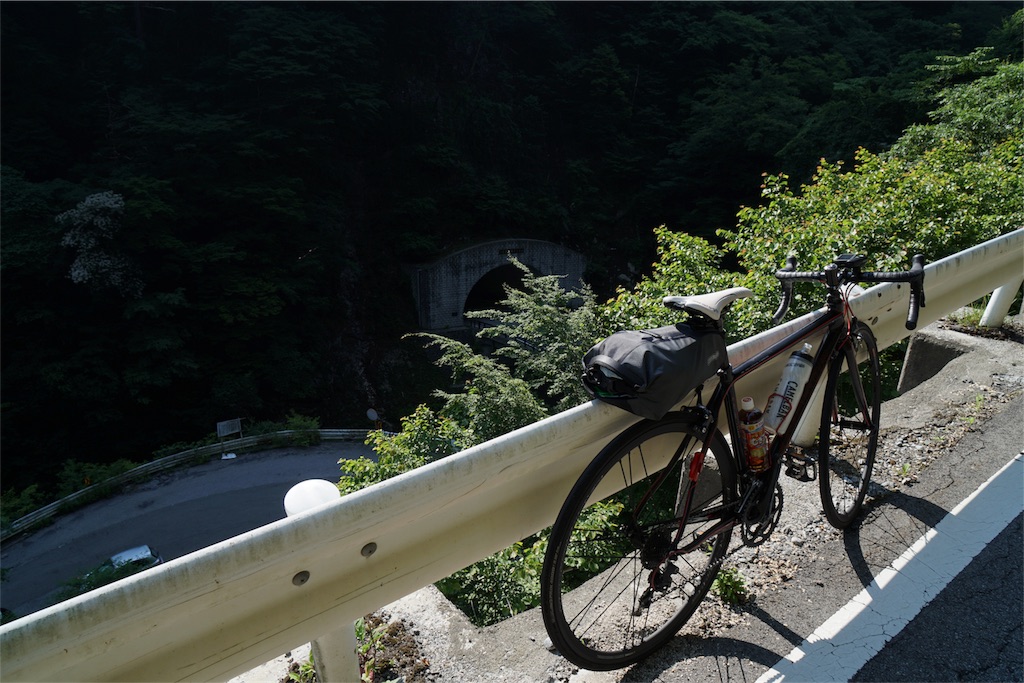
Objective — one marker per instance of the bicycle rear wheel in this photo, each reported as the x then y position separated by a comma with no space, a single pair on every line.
849,427
615,585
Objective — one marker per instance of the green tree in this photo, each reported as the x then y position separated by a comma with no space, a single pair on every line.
493,401
425,437
92,230
979,104
686,265
943,187
540,330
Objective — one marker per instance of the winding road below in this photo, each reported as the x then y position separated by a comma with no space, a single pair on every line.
176,512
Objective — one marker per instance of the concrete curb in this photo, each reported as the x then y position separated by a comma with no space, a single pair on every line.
933,347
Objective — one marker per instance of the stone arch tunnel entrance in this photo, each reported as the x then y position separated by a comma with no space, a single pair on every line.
490,289
473,278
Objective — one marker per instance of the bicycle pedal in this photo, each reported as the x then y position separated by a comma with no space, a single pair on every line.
800,465
801,471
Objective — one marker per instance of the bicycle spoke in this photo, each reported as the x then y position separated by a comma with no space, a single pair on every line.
614,584
849,429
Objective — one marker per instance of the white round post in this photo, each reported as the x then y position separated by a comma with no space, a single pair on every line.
999,304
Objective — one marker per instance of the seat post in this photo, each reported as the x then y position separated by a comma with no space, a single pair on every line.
699,321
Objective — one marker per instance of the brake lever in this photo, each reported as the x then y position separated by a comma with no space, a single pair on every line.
916,292
787,291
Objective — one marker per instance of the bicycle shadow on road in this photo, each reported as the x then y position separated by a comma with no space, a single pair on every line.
731,658
889,524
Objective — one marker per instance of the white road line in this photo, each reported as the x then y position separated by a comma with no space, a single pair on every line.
841,646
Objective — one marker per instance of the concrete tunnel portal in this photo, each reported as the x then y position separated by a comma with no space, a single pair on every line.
473,278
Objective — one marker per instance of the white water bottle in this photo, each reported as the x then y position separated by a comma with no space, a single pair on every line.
781,403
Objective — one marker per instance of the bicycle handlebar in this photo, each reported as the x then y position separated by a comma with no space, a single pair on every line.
916,272
846,270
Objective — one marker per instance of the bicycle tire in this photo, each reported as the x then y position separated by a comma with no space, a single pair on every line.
848,435
602,608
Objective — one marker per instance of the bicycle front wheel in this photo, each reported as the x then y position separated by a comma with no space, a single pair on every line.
624,570
849,427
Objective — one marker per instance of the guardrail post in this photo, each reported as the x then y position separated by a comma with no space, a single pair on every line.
999,304
334,656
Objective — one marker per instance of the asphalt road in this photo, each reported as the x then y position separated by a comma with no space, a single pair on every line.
971,631
176,513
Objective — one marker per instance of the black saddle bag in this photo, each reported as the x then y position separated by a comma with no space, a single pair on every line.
648,372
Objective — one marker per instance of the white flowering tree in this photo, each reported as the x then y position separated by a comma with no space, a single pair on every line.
92,230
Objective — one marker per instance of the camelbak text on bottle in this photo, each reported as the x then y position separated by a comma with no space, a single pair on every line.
794,377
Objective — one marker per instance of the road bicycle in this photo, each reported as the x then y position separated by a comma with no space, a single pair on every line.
642,535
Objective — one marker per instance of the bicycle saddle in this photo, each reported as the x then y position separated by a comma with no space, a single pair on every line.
712,304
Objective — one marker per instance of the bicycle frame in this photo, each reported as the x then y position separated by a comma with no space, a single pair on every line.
835,324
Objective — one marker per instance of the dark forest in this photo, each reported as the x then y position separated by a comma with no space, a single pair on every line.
260,173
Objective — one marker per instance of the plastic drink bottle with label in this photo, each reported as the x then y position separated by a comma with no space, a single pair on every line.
755,438
781,403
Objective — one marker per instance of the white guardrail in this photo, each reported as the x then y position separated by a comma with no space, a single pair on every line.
224,609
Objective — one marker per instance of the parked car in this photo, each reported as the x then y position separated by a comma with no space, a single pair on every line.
141,557
120,565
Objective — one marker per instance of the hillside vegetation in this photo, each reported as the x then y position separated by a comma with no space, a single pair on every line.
204,205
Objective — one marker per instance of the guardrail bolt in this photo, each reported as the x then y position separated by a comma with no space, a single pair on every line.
368,549
300,578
